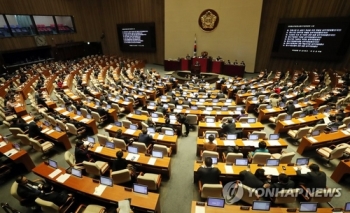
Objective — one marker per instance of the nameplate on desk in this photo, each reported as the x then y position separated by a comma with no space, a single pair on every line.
65,113
199,161
49,132
200,203
128,189
245,208
291,210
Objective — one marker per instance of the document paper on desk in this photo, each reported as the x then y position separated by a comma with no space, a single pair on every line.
245,125
45,130
274,143
98,149
85,120
251,143
77,116
288,122
271,171
345,132
63,178
326,120
152,161
2,143
199,209
160,137
229,143
54,173
301,120
229,169
130,131
109,126
27,118
99,189
303,169
11,151
49,132
132,157
65,113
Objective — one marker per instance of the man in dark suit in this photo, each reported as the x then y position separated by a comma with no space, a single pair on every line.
283,182
145,138
17,124
102,112
256,180
81,153
120,163
220,95
208,174
202,89
315,179
58,198
27,189
338,122
229,127
186,102
33,129
290,108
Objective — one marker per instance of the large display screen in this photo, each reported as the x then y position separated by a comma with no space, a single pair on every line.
137,37
318,39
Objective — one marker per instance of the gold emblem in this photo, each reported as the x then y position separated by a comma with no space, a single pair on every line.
208,20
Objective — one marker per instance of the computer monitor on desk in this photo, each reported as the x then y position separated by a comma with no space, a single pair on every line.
132,149
142,189
214,160
302,161
210,120
251,120
261,205
241,162
154,115
274,137
253,137
157,154
347,207
118,123
231,136
53,164
110,145
76,173
133,127
106,181
308,207
216,202
315,133
272,162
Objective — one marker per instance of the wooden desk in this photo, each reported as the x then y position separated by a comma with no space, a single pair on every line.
169,141
90,122
323,140
21,157
85,187
112,113
203,126
222,145
127,105
236,209
202,114
342,169
284,126
240,97
161,166
228,176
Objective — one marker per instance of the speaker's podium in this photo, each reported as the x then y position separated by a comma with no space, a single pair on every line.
196,69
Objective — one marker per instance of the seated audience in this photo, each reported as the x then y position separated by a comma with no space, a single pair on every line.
262,148
313,180
81,153
34,130
27,189
229,127
208,174
145,138
58,198
210,145
256,180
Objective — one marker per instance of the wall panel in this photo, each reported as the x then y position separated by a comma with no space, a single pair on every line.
86,16
273,10
132,11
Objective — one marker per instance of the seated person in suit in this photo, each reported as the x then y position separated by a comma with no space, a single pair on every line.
145,138
102,112
242,115
262,148
10,104
338,122
313,180
202,89
208,174
17,124
27,189
340,114
120,163
290,108
229,127
256,180
119,135
309,109
332,98
220,95
186,102
284,182
81,153
33,130
58,198
210,145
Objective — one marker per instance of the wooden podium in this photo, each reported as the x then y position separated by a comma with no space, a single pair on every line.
203,62
196,69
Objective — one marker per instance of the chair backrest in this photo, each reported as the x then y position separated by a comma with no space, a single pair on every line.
322,108
260,107
126,124
121,176
281,116
296,114
215,133
166,128
141,147
36,145
302,132
91,168
52,121
231,157
261,157
24,139
320,127
192,119
261,134
119,143
150,180
346,121
15,131
211,154
144,125
162,148
337,152
69,158
323,196
61,125
47,206
211,190
247,194
96,116
13,191
84,112
102,139
287,157
72,129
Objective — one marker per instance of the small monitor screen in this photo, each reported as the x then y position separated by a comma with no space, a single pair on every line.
268,107
17,146
132,149
288,117
91,139
106,181
253,137
110,145
53,164
163,97
88,116
231,136
179,107
308,207
210,120
216,202
224,108
241,162
137,112
133,127
302,115
282,104
77,173
151,130
152,104
169,132
97,103
306,100
157,154
251,120
228,100
118,123
302,161
138,188
295,102
347,207
215,100
261,205
78,113
334,128
154,115
46,123
108,106
255,98
315,112
165,106
315,133
214,160
239,108
202,100
194,107
272,162
274,137
172,117
58,129
209,108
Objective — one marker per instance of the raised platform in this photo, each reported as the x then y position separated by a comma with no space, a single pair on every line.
181,76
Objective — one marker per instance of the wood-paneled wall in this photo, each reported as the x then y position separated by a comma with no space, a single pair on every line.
132,11
273,10
87,14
